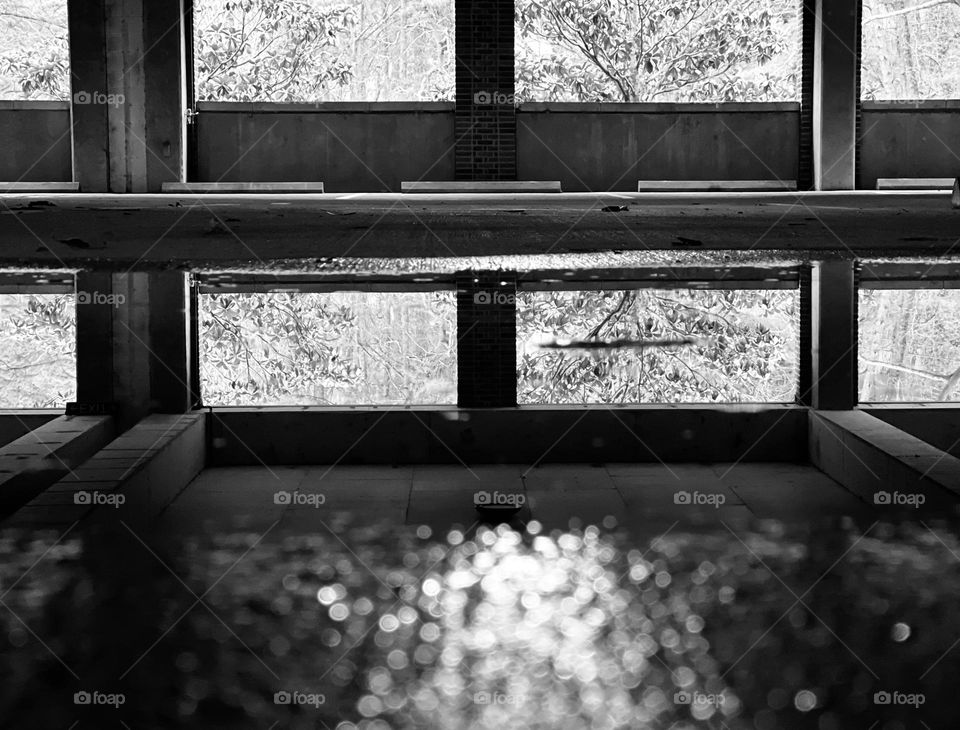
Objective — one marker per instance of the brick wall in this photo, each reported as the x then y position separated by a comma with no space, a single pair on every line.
486,125
487,336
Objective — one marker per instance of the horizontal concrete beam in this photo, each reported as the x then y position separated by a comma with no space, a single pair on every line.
915,183
482,186
528,435
131,479
36,460
39,187
242,187
714,186
937,424
16,423
878,462
151,231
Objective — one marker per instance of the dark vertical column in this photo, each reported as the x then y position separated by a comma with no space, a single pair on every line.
833,294
171,343
808,22
128,81
486,124
805,366
487,340
836,90
134,344
88,75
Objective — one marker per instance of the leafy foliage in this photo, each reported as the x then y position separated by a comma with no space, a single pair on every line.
34,53
657,50
911,49
316,50
37,350
344,348
751,355
909,348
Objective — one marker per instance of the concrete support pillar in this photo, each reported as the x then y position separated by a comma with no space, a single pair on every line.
487,340
128,94
836,88
134,344
485,117
833,367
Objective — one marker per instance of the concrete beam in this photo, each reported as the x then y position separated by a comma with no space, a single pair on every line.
149,232
36,460
936,423
836,74
15,423
882,464
833,367
131,479
915,183
253,436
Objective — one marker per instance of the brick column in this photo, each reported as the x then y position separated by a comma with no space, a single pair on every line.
834,354
487,340
486,124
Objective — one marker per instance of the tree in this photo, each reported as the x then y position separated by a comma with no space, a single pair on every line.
656,50
749,355
35,60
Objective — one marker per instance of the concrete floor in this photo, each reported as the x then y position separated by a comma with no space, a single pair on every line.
636,496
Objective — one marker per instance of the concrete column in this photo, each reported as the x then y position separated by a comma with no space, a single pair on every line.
486,340
833,367
134,344
128,101
836,87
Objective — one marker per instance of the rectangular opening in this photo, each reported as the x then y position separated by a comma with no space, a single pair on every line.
336,348
748,351
38,367
909,345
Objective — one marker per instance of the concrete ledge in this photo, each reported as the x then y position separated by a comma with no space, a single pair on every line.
325,107
714,186
870,457
148,465
592,107
482,186
915,183
253,436
15,423
39,187
242,187
936,423
36,460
